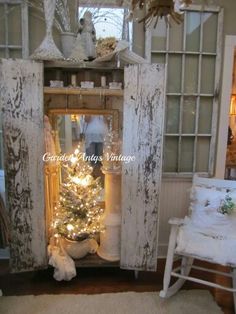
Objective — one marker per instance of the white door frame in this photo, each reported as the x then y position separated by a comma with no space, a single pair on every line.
230,45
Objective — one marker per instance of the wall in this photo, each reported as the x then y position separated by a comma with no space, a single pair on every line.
174,203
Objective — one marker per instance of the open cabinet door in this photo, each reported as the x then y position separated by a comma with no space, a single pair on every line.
22,116
141,178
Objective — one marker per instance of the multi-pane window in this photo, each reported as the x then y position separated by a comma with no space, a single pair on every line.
191,52
13,29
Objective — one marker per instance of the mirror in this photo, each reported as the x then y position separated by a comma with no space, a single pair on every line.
87,127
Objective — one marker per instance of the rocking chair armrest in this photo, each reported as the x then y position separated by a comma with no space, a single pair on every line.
176,221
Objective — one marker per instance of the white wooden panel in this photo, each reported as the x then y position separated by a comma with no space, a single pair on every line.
141,179
22,108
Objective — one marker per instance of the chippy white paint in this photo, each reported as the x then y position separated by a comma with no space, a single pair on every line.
141,179
22,109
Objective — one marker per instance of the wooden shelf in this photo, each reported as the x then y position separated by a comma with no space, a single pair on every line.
93,260
69,64
83,91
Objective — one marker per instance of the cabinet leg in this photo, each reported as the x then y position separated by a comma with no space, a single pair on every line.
136,272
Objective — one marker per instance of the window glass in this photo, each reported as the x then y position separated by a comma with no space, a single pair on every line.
2,53
15,53
2,25
176,37
205,115
159,36
208,75
187,149
172,114
191,74
193,22
158,58
209,32
14,25
189,115
174,73
202,158
171,154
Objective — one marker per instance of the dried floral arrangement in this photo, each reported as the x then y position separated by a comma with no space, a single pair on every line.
63,15
105,46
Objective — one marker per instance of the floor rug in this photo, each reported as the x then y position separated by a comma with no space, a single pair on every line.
184,302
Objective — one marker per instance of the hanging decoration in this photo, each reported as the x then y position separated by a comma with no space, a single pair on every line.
77,214
48,49
160,8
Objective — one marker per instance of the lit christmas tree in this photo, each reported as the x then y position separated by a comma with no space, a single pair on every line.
77,214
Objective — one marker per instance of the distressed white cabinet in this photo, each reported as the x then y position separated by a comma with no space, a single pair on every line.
22,114
22,110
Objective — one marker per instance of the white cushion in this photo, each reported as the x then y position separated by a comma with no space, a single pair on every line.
205,207
202,197
220,249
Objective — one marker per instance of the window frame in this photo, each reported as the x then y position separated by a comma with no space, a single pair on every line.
24,47
215,96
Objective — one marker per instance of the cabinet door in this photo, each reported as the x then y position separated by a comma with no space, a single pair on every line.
22,116
141,179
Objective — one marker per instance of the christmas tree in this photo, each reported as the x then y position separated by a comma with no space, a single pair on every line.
77,214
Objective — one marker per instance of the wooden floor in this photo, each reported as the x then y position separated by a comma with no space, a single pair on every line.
95,280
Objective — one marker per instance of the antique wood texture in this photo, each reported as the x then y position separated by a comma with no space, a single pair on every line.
141,179
22,109
83,91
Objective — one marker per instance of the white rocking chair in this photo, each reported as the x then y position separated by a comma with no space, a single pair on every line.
207,235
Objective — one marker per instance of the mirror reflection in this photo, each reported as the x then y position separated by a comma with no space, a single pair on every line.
92,129
85,129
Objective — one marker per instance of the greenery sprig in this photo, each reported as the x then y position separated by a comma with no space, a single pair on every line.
227,206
